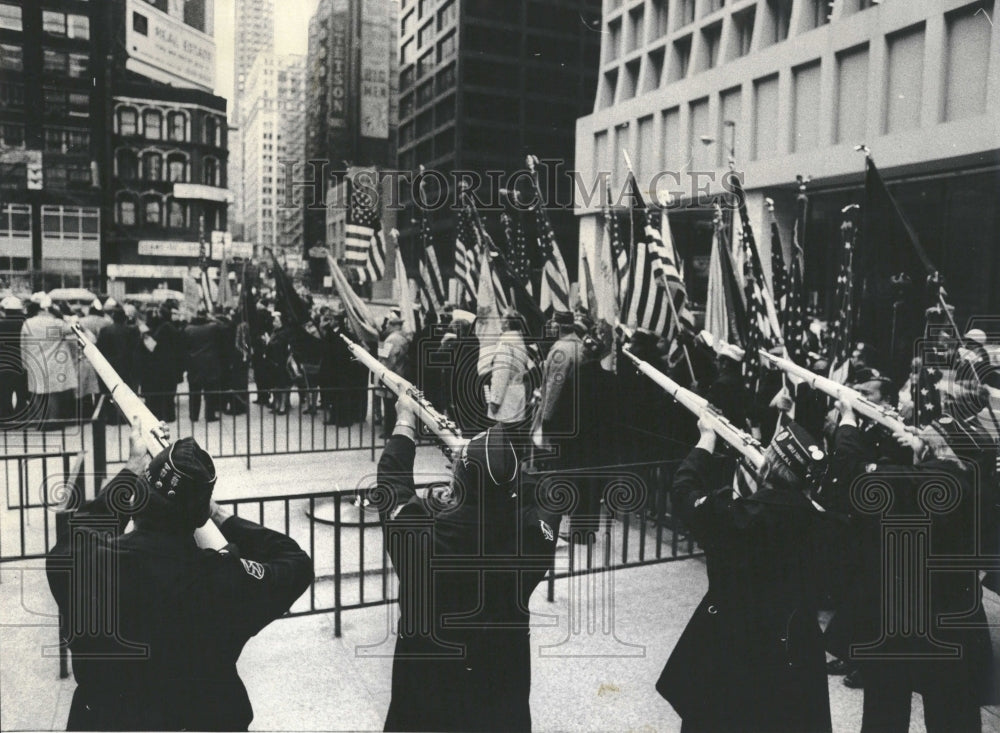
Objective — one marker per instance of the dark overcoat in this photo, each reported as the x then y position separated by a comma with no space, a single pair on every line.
179,616
751,658
462,659
948,501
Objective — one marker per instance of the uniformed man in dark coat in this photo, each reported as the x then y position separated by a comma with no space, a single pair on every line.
751,658
205,342
160,367
120,343
935,642
155,625
468,559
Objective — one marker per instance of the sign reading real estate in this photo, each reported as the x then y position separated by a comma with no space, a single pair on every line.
376,38
169,46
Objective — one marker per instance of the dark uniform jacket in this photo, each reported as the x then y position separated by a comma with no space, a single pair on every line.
167,659
119,343
161,368
206,346
942,494
462,660
751,658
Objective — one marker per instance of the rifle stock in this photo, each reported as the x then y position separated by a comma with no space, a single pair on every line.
744,443
444,429
135,411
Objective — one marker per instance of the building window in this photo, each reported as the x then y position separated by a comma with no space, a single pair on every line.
211,131
126,212
177,167
54,62
177,215
446,48
210,172
406,52
152,124
54,23
79,104
686,13
15,221
425,64
11,136
446,15
446,79
152,166
11,57
126,165
425,35
59,140
152,210
74,223
10,17
79,65
140,24
78,26
178,126
11,95
128,122
743,23
405,79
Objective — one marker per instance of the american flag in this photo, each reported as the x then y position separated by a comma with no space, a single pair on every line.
363,228
653,275
555,276
842,329
763,331
793,326
619,252
429,281
467,253
518,255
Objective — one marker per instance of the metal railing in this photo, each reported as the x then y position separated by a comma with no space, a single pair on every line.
255,429
352,570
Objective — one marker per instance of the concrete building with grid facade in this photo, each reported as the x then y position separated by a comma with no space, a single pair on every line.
801,83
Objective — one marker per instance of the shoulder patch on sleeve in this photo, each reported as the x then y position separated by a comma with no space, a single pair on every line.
254,569
546,530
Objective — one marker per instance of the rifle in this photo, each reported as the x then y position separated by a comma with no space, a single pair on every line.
135,411
881,414
744,443
445,430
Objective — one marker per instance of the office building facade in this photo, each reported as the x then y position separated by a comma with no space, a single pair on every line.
51,129
482,84
797,85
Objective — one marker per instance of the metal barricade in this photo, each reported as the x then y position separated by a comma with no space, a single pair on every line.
317,420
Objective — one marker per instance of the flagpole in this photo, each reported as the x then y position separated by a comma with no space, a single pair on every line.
663,282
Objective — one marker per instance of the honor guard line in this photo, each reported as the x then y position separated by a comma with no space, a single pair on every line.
445,430
135,411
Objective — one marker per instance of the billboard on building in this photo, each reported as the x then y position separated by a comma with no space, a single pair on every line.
163,46
376,38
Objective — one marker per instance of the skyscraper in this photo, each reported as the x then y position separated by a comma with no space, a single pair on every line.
254,34
483,83
273,134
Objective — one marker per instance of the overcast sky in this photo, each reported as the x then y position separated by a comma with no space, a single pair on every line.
291,36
